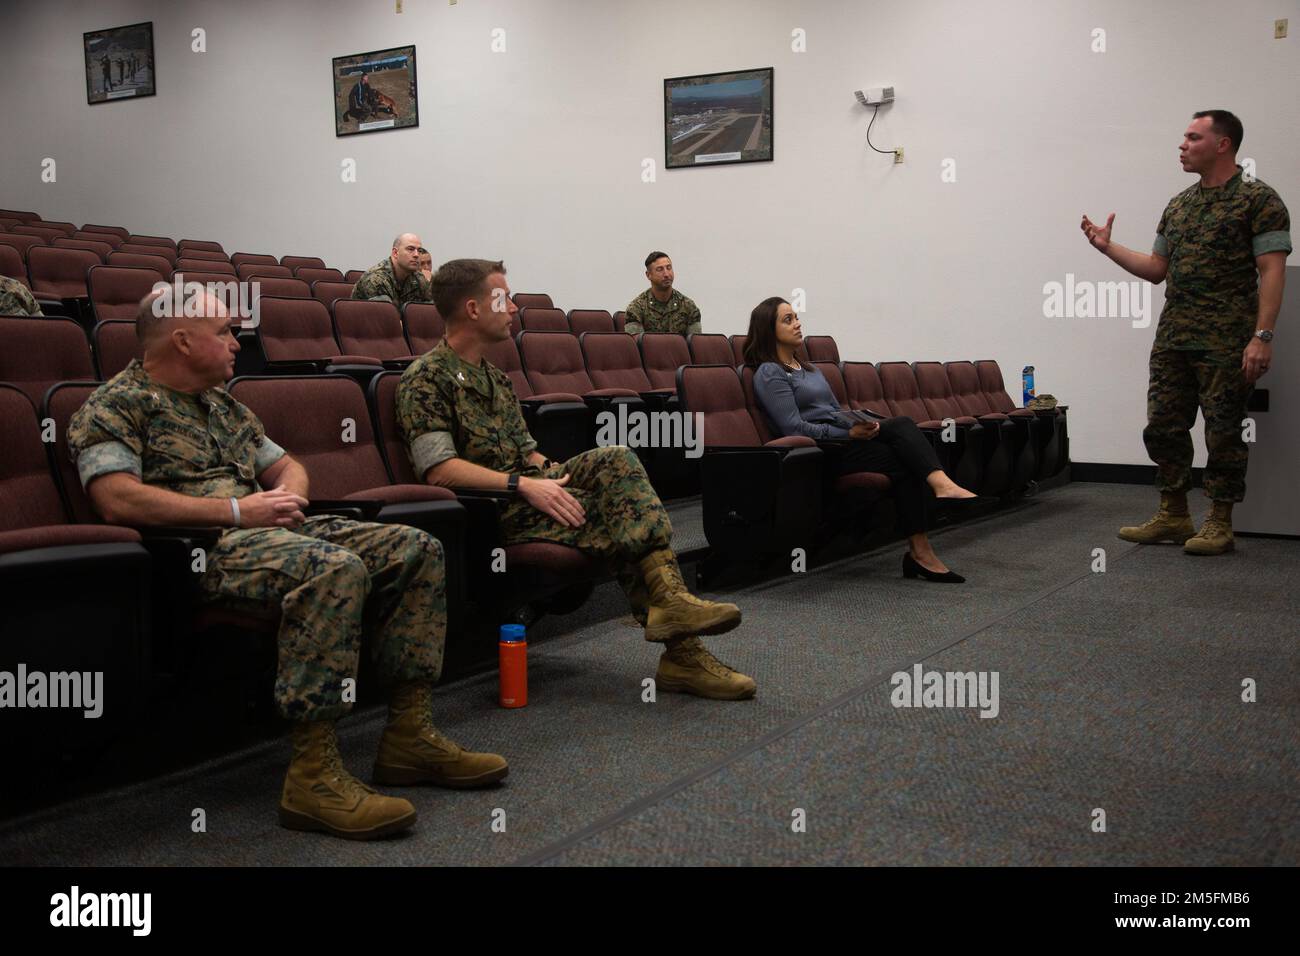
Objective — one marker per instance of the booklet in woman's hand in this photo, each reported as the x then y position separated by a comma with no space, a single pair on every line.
851,417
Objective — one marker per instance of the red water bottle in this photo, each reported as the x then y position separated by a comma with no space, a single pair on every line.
513,653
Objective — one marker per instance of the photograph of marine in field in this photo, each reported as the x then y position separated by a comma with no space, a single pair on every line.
374,91
119,63
718,118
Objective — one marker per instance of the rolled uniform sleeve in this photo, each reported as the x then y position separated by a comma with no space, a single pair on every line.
425,416
1161,246
104,438
268,453
1270,226
776,395
695,323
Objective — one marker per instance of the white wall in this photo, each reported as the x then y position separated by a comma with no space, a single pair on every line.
535,154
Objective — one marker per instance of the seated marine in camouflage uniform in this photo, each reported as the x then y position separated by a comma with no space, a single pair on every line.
661,308
463,427
17,299
398,278
163,443
1221,245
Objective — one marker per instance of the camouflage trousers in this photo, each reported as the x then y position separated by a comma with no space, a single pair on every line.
625,518
1181,381
331,580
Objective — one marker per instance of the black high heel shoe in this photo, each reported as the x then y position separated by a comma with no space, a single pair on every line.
911,569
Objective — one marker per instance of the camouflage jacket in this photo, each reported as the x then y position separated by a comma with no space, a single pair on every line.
1211,238
380,282
16,298
679,314
447,408
206,445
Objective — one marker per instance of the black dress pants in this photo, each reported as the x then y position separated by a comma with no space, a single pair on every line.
903,454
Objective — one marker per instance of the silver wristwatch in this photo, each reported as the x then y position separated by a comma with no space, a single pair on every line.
1265,335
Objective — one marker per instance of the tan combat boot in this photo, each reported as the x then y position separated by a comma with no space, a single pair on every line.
319,793
674,612
687,667
1215,536
1170,523
412,751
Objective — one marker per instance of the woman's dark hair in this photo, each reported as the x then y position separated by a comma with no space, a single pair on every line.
760,345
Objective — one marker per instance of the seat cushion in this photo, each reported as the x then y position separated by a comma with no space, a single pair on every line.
60,535
403,494
863,479
558,558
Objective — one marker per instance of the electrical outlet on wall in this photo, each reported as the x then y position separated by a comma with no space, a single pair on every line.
898,156
1279,29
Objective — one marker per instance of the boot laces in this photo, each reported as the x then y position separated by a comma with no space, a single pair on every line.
693,651
332,765
1214,526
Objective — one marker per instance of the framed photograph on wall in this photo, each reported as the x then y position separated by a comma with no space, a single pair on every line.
718,118
119,63
374,91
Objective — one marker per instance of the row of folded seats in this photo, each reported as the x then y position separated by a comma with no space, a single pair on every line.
564,381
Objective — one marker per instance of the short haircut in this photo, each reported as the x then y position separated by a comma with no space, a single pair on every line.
147,324
653,256
459,280
424,251
1224,124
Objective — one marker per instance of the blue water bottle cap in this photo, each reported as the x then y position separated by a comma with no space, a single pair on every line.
512,633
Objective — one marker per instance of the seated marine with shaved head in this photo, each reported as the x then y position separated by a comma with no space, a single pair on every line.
398,278
164,443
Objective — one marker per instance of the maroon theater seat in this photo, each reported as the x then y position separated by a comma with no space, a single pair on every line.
822,348
535,319
187,247
710,348
60,273
116,291
187,264
11,265
35,353
131,260
364,327
299,262
116,344
162,242
246,270
425,327
113,239
533,300
323,290
310,275
662,354
144,249
101,249
280,286
590,320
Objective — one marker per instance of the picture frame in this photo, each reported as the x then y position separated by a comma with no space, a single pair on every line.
392,100
719,119
119,63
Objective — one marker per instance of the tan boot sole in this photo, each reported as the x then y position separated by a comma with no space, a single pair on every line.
1209,554
674,686
1177,537
391,776
662,633
293,820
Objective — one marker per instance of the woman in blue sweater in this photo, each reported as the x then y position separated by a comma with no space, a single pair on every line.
798,401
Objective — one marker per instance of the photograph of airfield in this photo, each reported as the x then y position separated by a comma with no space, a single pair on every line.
119,63
718,118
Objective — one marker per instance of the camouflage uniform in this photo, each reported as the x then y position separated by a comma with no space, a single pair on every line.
1211,238
16,298
447,408
679,314
380,282
326,577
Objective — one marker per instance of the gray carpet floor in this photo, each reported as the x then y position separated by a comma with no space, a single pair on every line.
1118,691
